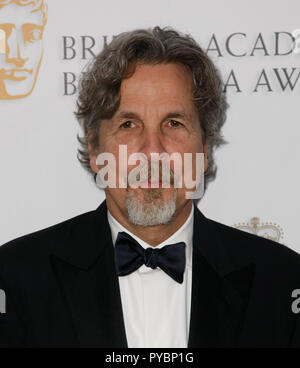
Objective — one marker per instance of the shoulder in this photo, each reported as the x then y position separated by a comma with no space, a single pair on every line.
40,243
246,247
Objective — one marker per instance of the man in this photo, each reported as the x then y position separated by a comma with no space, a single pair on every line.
147,268
22,24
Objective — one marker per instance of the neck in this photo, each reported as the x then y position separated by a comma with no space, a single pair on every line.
152,235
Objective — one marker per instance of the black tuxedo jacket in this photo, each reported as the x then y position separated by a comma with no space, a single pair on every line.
62,290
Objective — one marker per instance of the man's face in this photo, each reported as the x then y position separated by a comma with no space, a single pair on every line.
156,114
20,63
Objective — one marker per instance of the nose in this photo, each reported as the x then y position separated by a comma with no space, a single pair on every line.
152,142
13,50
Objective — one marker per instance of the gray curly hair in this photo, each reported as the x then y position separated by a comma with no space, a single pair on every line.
99,84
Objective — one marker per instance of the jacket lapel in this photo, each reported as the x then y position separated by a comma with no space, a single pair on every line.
86,274
220,290
85,269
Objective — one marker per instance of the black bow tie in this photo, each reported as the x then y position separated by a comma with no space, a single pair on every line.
130,255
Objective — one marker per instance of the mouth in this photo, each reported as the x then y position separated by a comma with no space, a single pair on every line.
15,74
154,184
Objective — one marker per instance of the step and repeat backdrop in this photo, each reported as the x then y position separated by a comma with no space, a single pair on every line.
44,45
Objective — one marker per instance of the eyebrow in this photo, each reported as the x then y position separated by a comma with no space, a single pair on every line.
171,115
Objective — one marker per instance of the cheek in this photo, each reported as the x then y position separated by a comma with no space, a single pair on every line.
177,138
132,139
183,140
186,146
105,139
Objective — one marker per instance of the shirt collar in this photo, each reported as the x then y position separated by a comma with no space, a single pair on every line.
183,234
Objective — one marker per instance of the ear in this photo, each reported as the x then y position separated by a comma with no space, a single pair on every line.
93,158
205,147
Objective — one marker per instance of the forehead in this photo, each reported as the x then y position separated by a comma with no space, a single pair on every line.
158,85
17,14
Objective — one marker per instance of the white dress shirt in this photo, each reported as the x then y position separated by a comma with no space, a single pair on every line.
156,308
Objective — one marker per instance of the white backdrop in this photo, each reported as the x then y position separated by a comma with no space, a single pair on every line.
41,181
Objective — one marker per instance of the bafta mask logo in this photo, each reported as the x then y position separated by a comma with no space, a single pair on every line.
22,24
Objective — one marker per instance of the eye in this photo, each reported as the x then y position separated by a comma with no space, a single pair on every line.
127,124
174,124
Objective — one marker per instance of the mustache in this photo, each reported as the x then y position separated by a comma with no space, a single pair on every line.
158,172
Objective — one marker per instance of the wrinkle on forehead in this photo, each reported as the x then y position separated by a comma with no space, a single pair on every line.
158,89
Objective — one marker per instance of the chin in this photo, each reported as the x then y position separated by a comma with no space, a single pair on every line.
150,207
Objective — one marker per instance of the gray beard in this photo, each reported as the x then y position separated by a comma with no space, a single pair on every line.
147,213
